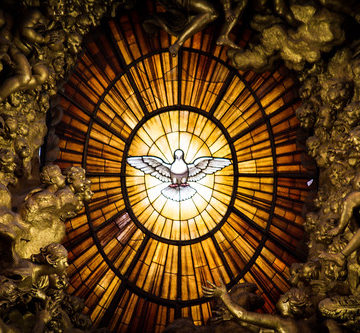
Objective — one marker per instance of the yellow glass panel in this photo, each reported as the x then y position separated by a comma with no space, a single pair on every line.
159,225
171,210
159,202
166,228
185,231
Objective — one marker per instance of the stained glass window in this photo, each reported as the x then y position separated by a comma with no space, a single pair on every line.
137,257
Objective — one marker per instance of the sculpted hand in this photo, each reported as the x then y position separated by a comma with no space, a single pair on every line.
214,291
220,316
38,293
216,317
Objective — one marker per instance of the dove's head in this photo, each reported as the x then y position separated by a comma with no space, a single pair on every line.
178,154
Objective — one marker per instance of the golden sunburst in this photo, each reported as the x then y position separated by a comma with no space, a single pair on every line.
197,136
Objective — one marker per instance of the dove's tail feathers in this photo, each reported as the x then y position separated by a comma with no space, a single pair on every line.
178,193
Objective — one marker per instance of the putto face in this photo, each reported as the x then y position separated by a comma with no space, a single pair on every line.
332,271
283,306
61,264
56,9
59,180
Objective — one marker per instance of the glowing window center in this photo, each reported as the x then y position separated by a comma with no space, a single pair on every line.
197,196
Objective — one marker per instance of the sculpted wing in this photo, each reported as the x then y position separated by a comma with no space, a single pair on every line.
206,166
151,165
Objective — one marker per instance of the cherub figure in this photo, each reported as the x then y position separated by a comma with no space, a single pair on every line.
351,201
242,294
40,202
40,208
231,17
74,43
7,166
302,274
9,294
199,14
205,13
32,275
295,308
52,177
29,73
24,153
311,221
234,9
45,210
26,76
78,184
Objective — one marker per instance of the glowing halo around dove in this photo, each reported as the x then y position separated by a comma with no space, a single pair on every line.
179,173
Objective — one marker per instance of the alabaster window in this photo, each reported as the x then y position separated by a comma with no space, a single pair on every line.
138,255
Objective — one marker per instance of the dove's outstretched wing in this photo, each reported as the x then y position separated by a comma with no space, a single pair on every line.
152,165
206,166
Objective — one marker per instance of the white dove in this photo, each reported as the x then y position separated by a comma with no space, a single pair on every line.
179,173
